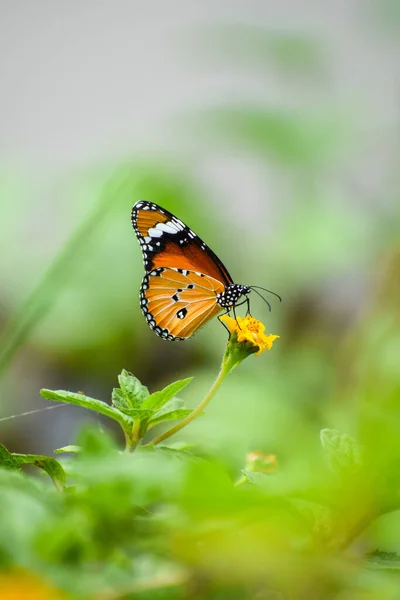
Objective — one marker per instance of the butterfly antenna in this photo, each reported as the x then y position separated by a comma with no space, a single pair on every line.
265,300
265,290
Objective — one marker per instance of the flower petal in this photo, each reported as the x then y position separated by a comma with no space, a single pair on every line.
249,330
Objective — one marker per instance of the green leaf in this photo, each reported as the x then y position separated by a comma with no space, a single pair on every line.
318,518
139,414
341,451
7,460
93,440
174,415
52,467
158,399
172,404
133,392
379,560
255,478
89,403
71,448
177,446
171,411
119,400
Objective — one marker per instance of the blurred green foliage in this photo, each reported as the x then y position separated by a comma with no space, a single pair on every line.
177,522
192,520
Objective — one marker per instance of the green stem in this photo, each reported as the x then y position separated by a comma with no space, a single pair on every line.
129,443
243,479
228,363
132,437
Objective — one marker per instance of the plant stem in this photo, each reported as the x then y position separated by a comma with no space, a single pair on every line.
243,479
227,365
132,437
130,445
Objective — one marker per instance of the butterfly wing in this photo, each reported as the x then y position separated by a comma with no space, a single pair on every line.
176,302
168,242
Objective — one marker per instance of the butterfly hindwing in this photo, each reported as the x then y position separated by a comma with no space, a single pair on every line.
177,302
167,242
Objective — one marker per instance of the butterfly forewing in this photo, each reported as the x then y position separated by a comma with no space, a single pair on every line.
168,242
176,302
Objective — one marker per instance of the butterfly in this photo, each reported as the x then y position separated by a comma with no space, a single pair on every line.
185,284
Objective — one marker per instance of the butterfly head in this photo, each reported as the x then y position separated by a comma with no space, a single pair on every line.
232,294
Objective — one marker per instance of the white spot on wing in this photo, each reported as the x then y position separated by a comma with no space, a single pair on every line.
153,232
167,227
178,224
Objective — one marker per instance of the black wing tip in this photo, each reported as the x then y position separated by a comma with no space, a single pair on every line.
137,206
147,205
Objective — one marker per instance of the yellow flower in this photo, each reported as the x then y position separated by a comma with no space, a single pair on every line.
259,462
248,329
19,584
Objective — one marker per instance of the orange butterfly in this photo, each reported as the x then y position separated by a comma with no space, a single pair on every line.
185,284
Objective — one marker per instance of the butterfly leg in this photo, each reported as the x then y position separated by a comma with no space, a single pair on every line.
219,319
246,301
228,310
234,312
248,307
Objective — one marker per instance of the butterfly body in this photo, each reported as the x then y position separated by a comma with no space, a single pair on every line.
232,294
185,284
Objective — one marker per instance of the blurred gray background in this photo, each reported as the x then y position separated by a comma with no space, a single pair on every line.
90,81
308,169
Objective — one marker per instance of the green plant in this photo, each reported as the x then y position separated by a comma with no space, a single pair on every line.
168,520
